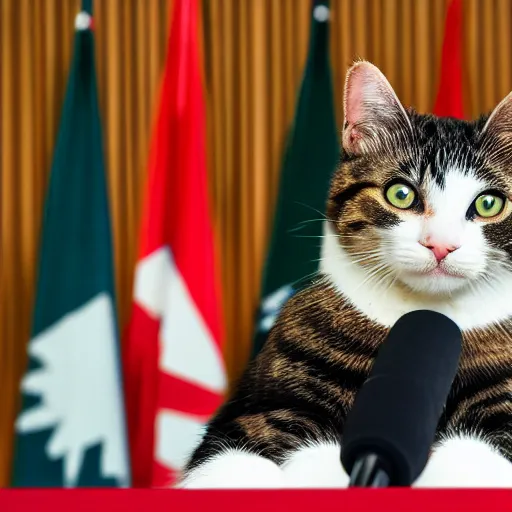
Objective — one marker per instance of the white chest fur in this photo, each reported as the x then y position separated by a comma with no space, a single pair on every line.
484,304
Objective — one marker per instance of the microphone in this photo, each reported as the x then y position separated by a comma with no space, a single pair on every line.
392,424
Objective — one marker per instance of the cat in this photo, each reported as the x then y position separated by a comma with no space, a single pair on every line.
418,217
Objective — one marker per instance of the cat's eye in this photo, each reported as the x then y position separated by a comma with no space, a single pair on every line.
401,195
489,205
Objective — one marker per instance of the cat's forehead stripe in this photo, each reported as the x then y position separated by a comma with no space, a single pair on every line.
434,168
459,190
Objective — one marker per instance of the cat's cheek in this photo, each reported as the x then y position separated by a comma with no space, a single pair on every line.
466,462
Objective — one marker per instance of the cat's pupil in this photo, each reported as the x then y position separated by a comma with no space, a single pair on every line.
488,202
402,193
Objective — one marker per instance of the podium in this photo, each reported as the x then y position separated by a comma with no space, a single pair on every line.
381,500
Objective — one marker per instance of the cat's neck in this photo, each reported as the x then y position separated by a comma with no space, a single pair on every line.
477,307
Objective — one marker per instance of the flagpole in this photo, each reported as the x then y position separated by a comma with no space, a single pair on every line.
87,6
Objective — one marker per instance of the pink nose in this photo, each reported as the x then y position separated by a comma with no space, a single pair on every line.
440,250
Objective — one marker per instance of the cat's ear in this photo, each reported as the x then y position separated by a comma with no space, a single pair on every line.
499,123
372,110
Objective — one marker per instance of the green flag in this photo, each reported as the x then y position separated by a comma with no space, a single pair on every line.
311,155
70,431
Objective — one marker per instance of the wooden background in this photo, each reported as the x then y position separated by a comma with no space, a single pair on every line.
254,53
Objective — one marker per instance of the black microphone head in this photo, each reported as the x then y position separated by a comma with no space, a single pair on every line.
397,410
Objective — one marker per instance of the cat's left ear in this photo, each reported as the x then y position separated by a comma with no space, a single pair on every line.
499,124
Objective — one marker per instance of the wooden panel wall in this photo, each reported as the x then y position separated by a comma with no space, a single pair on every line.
254,53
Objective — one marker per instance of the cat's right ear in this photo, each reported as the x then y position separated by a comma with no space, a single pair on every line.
500,120
372,110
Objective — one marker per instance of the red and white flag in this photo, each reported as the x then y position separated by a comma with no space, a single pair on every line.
449,100
174,372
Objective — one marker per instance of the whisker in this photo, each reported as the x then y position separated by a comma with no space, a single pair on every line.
366,257
312,208
383,278
393,281
306,277
303,224
367,253
314,236
371,275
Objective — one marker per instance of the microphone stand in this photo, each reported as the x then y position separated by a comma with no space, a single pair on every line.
368,471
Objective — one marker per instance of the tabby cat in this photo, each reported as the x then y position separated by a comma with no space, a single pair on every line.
418,217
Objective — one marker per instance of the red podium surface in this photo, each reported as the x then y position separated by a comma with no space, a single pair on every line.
395,500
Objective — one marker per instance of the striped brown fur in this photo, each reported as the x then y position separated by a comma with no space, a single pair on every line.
303,383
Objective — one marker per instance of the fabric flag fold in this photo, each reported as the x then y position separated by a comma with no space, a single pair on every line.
311,155
70,431
174,371
449,100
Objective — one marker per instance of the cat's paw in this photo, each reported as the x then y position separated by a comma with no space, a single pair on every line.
234,469
466,462
316,465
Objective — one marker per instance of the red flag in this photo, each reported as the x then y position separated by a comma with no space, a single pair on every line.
449,100
174,372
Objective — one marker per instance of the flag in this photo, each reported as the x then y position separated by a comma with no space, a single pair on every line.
70,431
449,101
311,155
174,371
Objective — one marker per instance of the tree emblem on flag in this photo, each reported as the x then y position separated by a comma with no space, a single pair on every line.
76,388
271,306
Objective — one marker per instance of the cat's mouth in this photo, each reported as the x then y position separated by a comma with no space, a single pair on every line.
441,271
437,280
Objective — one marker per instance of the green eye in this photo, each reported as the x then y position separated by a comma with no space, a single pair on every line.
400,195
488,205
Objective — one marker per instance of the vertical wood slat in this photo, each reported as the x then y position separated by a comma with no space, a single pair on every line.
240,297
375,15
287,40
503,45
8,155
113,121
405,61
303,18
421,55
213,60
360,33
25,192
390,34
472,56
129,105
341,36
259,121
143,105
255,53
487,62
228,140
